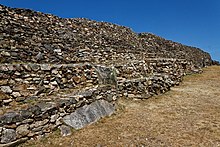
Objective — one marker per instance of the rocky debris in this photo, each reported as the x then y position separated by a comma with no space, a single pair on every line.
89,114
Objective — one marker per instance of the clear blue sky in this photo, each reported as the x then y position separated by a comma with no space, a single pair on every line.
191,22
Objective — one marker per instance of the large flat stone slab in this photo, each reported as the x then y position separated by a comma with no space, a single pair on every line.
89,113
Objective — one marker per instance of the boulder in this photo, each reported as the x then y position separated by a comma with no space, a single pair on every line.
88,114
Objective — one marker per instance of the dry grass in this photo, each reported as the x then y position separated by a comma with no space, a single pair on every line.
188,115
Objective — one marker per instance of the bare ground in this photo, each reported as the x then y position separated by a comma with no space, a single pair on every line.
188,115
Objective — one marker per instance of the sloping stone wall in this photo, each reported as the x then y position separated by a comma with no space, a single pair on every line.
20,82
34,37
44,116
56,72
143,79
170,49
35,114
89,97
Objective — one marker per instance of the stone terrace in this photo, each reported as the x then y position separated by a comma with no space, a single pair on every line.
52,69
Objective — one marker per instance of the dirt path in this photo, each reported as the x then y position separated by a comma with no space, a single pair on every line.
188,115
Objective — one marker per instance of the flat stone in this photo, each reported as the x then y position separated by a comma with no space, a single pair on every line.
35,110
14,143
54,117
88,114
45,67
58,50
17,73
39,123
46,106
76,79
22,130
3,82
34,67
6,89
4,96
54,83
65,130
8,135
6,101
10,117
131,95
16,94
20,87
54,71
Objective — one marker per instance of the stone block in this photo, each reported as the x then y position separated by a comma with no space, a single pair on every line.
8,135
89,113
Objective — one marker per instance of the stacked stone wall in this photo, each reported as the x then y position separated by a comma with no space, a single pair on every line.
57,72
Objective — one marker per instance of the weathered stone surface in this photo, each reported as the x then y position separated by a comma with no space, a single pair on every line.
8,135
65,130
106,75
92,41
89,114
4,96
79,54
3,82
53,118
22,130
16,94
20,87
46,106
35,110
45,67
10,117
6,89
39,123
14,143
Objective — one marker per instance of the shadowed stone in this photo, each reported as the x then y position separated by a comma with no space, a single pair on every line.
14,143
10,117
89,114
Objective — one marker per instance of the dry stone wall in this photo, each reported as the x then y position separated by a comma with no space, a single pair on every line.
34,37
90,96
170,49
22,82
32,111
92,93
143,79
57,72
